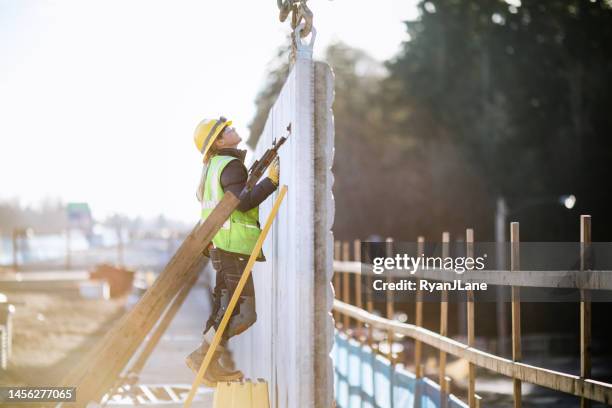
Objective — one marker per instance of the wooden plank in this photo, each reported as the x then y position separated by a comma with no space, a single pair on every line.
346,286
446,385
515,264
558,381
163,325
418,314
591,279
443,316
390,302
337,274
471,332
358,289
477,401
369,297
96,375
585,304
445,391
133,372
419,371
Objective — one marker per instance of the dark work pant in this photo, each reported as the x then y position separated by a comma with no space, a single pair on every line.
229,268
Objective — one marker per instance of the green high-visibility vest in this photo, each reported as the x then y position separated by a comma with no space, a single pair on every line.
240,232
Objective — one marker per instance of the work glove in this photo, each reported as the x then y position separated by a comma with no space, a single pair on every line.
274,171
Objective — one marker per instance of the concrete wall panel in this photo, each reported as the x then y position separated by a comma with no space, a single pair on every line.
289,346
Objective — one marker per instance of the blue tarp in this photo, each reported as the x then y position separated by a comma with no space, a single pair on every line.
363,379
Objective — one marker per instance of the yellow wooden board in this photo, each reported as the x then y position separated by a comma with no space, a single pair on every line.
239,394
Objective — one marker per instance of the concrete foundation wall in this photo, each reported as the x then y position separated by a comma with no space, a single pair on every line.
290,344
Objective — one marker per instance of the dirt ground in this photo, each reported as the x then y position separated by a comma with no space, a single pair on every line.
52,332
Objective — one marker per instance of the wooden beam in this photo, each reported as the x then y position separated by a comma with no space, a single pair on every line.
419,371
163,324
445,391
477,401
554,380
369,297
418,314
96,375
515,264
358,289
585,304
471,332
346,286
337,273
591,279
443,316
390,302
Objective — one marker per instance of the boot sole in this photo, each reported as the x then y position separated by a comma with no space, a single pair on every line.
238,375
230,376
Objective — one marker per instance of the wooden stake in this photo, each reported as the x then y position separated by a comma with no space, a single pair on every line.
585,305
358,294
390,341
443,314
420,371
369,300
445,391
346,286
390,302
337,256
471,338
418,319
447,384
515,265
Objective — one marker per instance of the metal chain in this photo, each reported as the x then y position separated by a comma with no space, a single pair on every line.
299,12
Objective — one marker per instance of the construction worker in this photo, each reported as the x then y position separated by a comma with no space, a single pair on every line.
224,170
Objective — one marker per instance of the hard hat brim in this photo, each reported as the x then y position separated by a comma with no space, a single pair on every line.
214,137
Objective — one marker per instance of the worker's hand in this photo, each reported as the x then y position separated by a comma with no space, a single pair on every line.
274,171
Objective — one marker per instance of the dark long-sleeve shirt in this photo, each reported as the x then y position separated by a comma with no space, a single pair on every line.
234,177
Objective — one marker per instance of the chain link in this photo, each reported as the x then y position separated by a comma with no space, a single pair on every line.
299,12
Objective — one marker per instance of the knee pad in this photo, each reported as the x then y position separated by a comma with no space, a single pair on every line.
216,313
244,315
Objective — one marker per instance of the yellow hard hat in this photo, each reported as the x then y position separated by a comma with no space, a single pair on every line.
207,131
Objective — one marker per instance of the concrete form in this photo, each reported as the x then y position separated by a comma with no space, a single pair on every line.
290,344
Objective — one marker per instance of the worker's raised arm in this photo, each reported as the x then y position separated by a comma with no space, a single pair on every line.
234,177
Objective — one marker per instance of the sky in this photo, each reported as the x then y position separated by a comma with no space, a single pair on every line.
99,99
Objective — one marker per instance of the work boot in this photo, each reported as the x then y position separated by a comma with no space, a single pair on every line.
215,372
